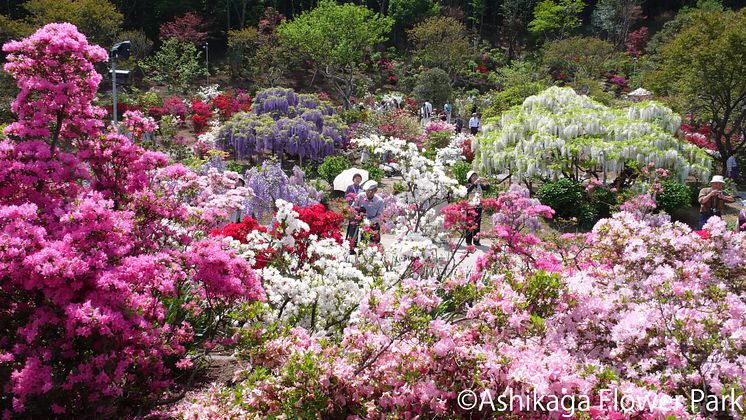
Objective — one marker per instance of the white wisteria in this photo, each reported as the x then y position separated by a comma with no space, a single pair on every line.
560,133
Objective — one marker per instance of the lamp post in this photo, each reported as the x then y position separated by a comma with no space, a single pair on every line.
120,50
207,60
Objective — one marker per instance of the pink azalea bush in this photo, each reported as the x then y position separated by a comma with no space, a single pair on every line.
644,309
138,124
54,71
108,282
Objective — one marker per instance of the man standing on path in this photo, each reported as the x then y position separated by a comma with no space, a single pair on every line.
372,205
712,200
448,108
474,124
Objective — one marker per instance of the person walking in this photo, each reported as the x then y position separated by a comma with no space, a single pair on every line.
712,200
474,124
732,166
448,108
459,125
474,192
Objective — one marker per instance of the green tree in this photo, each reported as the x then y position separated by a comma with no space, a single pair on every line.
441,42
242,48
516,15
615,18
433,85
703,67
515,83
99,20
336,37
407,12
581,57
556,19
176,64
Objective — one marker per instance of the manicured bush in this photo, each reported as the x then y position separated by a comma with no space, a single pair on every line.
675,196
333,166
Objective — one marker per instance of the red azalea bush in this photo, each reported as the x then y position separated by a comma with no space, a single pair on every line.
104,291
227,104
200,115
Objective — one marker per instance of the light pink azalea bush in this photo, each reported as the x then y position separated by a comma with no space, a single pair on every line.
108,283
640,305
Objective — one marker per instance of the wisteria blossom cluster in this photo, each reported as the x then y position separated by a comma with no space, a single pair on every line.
558,131
107,283
635,310
270,183
285,123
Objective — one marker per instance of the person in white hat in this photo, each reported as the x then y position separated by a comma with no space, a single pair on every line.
712,200
371,204
474,191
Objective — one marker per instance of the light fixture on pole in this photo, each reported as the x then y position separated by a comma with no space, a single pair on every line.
207,60
120,50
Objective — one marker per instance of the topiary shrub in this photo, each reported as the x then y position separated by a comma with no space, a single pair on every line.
433,85
333,166
570,199
674,196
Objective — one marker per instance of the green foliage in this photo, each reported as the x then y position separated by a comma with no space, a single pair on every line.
374,171
556,19
142,46
99,20
516,82
440,41
241,51
433,85
406,12
579,56
460,169
336,37
614,18
569,200
176,64
674,196
333,166
436,140
703,66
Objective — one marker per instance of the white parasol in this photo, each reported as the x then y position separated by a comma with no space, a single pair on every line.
344,179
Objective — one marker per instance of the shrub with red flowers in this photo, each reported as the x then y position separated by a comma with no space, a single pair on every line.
201,113
227,104
698,135
176,107
105,287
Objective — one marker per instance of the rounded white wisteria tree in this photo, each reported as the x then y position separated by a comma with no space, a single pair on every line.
559,133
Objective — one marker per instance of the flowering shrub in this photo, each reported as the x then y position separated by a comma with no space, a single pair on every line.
269,183
227,104
138,124
54,70
176,107
285,123
201,113
646,309
106,283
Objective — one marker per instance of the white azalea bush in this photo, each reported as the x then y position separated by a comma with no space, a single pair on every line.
559,133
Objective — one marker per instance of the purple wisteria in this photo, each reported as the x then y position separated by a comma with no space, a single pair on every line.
270,183
283,122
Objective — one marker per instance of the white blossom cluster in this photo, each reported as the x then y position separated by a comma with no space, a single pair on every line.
557,128
453,152
289,221
206,93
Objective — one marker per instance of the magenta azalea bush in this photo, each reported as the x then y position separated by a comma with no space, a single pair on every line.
108,279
